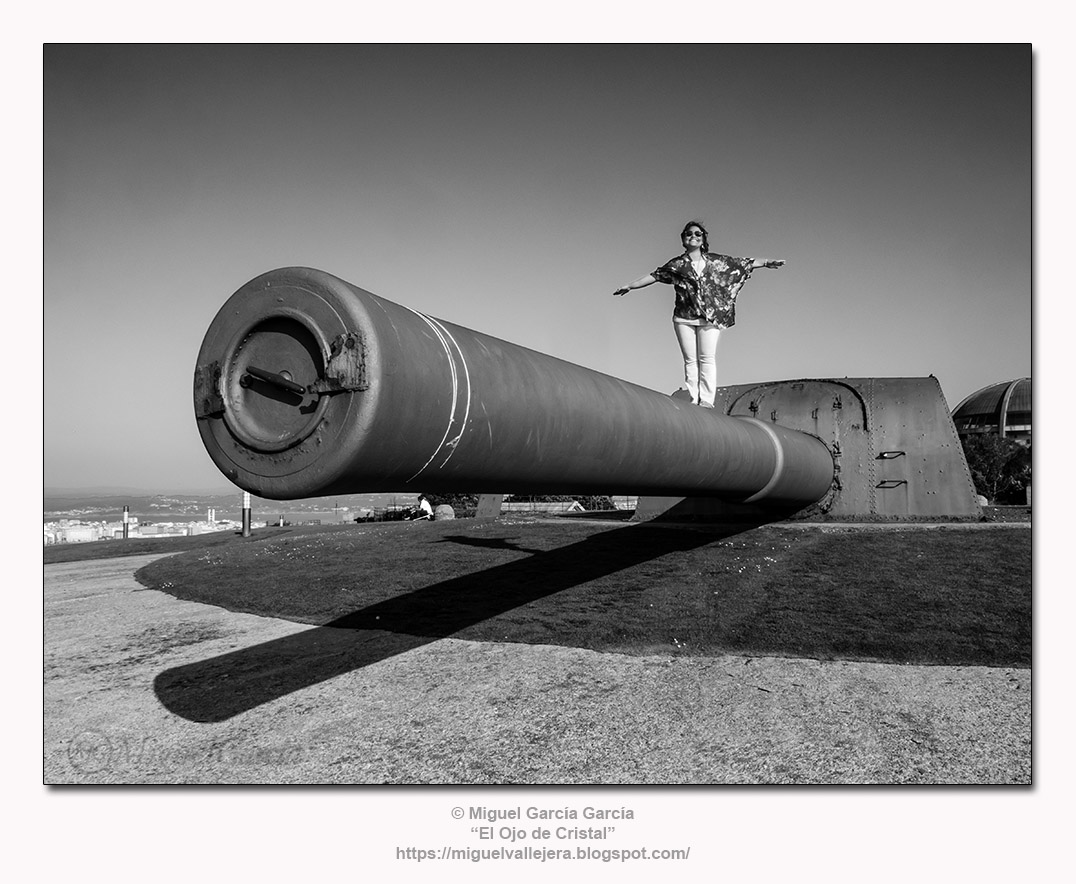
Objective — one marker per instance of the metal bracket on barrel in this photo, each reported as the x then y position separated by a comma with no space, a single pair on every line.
207,399
345,371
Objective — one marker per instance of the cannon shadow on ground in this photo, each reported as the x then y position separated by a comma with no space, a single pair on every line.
219,688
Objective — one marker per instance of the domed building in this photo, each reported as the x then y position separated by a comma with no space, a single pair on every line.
1001,409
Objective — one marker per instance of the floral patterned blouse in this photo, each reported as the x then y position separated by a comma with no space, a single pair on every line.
711,296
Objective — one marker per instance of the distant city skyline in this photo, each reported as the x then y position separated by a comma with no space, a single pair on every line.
510,190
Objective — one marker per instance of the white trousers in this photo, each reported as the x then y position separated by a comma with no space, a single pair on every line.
698,343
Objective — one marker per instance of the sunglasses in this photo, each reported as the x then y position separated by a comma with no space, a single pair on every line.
692,233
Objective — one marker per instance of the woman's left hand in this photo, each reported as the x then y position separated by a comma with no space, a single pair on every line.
774,263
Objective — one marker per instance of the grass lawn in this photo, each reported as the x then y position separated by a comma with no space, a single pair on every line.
142,546
916,595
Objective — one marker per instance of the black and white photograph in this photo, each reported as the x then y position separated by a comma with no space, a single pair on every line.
570,419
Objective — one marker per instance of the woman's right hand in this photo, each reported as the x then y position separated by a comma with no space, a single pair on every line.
635,284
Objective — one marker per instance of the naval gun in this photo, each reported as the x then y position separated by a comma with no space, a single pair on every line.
308,386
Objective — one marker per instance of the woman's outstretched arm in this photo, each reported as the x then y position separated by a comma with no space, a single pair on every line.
767,262
639,283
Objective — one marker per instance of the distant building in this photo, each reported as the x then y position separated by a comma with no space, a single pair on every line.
208,527
166,530
79,534
323,517
1002,409
540,506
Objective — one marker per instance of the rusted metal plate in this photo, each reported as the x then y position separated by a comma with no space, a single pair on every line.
207,399
345,371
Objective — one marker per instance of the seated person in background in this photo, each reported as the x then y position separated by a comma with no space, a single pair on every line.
424,510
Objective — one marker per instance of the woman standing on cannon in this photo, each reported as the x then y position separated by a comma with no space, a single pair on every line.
706,287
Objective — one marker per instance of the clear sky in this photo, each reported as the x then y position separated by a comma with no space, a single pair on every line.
511,190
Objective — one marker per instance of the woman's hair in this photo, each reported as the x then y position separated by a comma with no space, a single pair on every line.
698,224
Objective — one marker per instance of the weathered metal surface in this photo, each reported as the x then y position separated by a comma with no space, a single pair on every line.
207,398
422,404
833,411
489,506
345,371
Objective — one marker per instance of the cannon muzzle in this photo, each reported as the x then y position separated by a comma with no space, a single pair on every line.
307,386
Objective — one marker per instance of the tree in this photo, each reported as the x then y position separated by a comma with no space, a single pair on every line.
589,502
596,502
1000,467
1019,472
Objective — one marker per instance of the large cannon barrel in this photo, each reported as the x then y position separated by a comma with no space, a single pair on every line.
307,386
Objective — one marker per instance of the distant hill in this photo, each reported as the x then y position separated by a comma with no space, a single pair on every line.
147,506
78,491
